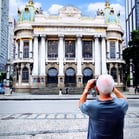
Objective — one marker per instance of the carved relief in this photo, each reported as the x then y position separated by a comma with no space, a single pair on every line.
70,11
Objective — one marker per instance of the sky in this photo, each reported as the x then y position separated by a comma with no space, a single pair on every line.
87,7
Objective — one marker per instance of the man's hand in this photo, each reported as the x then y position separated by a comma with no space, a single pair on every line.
90,84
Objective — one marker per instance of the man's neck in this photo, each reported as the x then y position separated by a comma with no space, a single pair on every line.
103,97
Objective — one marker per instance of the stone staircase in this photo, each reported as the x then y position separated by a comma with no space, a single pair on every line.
55,91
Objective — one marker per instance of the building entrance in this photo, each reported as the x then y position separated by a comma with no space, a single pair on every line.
52,76
70,77
87,74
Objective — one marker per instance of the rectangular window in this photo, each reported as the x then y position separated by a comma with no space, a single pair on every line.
18,49
87,49
112,50
26,50
52,48
70,48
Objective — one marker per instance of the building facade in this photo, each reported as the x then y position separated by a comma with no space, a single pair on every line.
66,49
131,17
4,11
10,55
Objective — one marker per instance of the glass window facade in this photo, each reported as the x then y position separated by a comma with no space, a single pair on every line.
87,49
26,50
112,50
70,48
132,17
52,48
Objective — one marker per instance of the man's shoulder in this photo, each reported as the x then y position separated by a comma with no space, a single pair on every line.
120,100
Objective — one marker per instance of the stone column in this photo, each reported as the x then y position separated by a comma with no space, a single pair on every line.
61,62
16,50
79,61
97,57
20,75
35,57
42,56
108,49
103,57
93,50
21,49
121,52
117,50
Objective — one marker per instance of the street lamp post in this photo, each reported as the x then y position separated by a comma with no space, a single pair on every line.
131,89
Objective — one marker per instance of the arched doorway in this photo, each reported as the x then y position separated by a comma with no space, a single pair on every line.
70,77
25,75
114,73
52,76
87,74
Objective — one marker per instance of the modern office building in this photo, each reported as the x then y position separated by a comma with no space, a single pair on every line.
66,49
11,47
132,17
4,11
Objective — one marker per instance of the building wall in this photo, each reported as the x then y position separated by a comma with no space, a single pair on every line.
67,50
4,11
132,17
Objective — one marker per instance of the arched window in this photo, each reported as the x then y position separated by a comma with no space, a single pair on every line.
70,77
87,74
25,75
52,75
70,72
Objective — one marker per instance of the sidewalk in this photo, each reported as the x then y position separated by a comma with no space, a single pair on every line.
28,96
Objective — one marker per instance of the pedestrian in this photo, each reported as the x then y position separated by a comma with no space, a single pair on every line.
60,92
67,90
107,112
135,89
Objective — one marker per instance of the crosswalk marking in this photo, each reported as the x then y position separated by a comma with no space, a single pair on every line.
54,116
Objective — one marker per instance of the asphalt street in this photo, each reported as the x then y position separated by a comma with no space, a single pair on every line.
71,124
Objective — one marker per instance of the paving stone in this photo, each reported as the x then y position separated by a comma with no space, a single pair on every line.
41,116
32,116
60,116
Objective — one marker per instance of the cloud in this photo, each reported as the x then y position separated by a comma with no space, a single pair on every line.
118,7
37,5
54,9
15,4
93,7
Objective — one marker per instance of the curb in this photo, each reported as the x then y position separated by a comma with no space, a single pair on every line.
52,98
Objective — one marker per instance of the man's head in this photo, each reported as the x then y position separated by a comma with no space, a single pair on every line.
105,84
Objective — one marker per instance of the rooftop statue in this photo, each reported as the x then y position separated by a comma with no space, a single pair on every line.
109,14
28,13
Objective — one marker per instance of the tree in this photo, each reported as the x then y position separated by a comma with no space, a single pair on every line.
2,76
132,52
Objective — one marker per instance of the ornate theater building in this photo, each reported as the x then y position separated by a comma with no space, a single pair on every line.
67,49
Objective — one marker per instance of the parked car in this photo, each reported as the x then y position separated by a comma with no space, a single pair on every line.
2,89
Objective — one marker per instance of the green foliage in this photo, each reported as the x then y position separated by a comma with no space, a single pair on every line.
132,52
2,76
134,38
